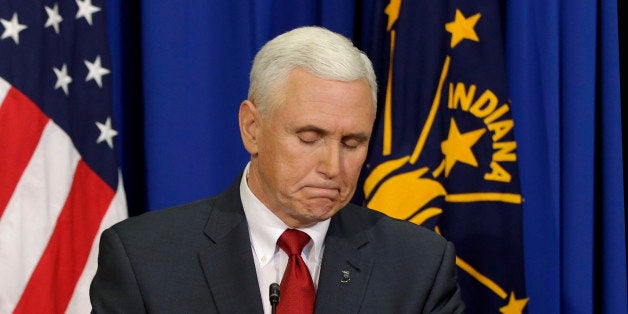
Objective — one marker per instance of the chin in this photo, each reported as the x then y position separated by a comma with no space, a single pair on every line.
323,214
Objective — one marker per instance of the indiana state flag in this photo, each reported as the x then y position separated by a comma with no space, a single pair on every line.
444,154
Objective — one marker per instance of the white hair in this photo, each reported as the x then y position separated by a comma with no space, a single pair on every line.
315,50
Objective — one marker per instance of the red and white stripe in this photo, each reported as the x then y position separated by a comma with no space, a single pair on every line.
53,208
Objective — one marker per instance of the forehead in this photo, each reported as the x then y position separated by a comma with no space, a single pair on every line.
305,97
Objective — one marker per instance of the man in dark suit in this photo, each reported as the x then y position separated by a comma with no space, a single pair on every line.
307,124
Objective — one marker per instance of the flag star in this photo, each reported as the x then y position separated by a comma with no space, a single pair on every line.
457,147
85,10
514,306
63,79
12,29
463,28
392,10
106,132
54,18
96,71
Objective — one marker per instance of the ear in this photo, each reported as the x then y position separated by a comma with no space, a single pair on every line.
248,118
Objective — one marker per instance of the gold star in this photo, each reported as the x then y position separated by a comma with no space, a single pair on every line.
457,147
462,28
515,306
392,10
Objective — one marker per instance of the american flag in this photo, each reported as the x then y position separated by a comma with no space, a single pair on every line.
59,181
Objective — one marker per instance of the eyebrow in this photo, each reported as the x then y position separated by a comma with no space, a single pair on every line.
360,136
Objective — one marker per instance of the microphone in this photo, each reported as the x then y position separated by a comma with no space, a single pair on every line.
273,296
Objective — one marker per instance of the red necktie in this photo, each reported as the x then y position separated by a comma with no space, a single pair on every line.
297,289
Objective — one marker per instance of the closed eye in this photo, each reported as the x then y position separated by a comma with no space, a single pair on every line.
309,137
354,141
350,144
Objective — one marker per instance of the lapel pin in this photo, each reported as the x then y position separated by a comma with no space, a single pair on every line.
346,277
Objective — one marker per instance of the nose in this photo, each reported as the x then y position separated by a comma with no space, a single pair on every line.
330,160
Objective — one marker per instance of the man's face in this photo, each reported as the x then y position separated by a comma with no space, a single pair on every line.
308,152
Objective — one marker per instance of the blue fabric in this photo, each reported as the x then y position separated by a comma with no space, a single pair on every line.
195,63
564,70
609,194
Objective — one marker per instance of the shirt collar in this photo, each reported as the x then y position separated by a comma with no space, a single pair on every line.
265,227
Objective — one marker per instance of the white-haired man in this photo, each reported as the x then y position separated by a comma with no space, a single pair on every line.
306,124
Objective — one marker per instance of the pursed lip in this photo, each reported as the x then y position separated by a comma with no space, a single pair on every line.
323,191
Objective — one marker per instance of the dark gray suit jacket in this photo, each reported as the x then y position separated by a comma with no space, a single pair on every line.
197,258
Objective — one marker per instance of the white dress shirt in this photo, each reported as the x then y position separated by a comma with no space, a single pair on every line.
264,230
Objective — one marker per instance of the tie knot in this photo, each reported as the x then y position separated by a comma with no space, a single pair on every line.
292,241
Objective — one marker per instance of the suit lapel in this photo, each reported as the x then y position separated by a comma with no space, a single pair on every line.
229,269
227,261
345,272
